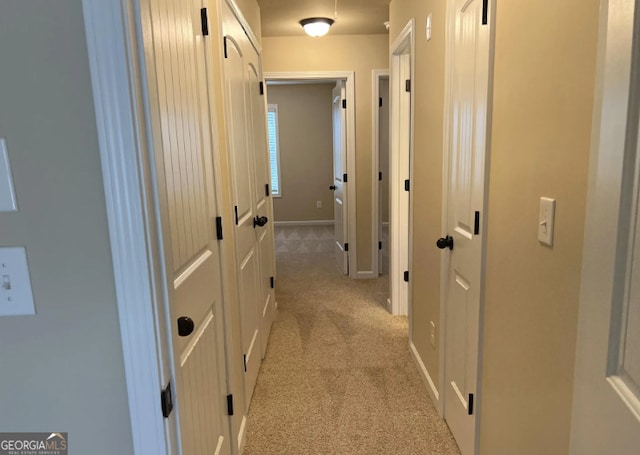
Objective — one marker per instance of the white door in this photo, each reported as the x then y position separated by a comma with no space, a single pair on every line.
339,185
183,148
606,402
465,206
262,192
248,152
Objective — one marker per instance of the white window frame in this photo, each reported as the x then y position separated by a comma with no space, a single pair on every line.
274,108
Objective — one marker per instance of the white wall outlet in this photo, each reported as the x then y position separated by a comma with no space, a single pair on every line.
7,193
432,335
429,27
318,204
546,220
16,298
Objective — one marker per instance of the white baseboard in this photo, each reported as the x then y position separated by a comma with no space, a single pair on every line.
431,387
366,274
304,223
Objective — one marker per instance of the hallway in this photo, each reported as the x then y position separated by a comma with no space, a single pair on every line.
338,377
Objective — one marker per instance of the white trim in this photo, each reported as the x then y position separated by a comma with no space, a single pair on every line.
400,225
305,223
349,77
424,373
112,43
366,274
376,75
242,434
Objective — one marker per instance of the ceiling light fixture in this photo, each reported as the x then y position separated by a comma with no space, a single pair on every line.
316,26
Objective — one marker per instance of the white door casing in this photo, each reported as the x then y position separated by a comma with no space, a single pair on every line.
606,400
465,205
340,186
400,151
348,77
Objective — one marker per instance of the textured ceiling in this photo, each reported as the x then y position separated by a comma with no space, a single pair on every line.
355,17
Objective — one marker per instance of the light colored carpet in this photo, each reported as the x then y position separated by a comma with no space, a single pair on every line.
338,377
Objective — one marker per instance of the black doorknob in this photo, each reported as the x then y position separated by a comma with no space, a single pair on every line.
260,221
332,187
185,326
446,242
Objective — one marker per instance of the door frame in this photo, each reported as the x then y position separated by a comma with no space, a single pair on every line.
113,43
376,75
445,258
612,167
399,216
349,77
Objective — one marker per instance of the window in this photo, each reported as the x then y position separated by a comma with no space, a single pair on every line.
274,149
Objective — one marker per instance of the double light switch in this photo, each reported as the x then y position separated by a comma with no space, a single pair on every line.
16,297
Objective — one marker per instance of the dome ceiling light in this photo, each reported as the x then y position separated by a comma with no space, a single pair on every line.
316,26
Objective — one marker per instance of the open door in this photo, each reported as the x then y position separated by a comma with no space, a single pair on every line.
606,400
339,186
465,208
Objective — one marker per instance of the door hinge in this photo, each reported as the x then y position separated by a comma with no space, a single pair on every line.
166,401
379,245
380,176
266,189
407,85
407,185
261,88
485,11
272,282
224,44
470,406
380,102
406,276
476,226
344,178
244,359
344,104
230,404
346,247
219,227
235,209
204,21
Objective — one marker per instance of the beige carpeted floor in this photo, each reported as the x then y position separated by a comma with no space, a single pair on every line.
338,377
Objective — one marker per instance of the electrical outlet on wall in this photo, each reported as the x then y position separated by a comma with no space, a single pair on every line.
432,335
318,204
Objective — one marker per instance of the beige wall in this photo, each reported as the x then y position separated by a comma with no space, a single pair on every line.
427,171
544,80
359,53
306,151
62,369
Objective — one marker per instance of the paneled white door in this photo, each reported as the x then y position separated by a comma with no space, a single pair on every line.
339,186
246,131
465,205
181,126
263,203
606,402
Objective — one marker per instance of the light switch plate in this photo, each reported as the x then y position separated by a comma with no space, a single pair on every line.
429,27
546,220
16,298
7,193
